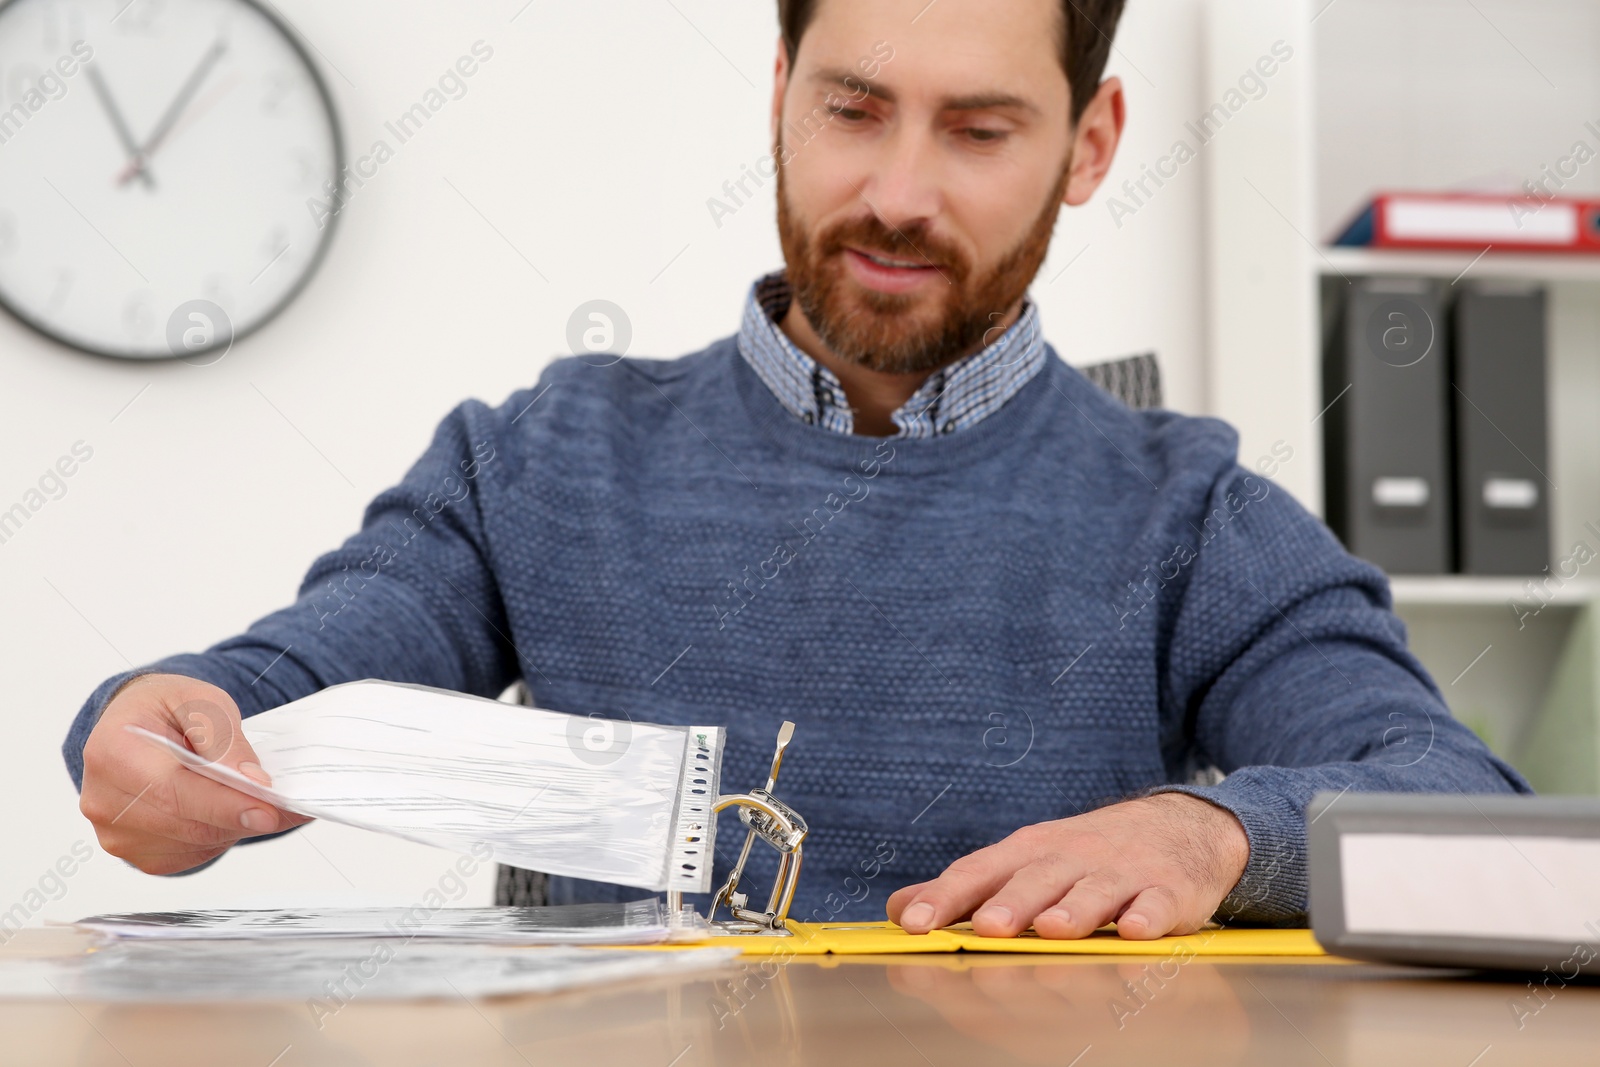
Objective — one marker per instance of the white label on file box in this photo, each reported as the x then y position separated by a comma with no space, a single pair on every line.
1518,494
1471,885
1470,220
1400,492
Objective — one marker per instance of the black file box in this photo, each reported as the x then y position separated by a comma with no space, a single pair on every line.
1501,429
1386,429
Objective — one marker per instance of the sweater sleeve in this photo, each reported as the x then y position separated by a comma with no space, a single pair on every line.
1288,669
410,598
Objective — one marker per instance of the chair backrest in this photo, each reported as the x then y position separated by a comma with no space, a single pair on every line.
515,887
1136,380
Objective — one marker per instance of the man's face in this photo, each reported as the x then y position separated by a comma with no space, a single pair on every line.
917,193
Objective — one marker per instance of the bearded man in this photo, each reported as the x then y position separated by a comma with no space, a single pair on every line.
1013,618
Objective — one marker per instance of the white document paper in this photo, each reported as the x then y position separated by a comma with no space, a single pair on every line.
329,974
638,922
621,802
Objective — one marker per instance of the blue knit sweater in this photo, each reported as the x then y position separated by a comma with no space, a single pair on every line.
1068,604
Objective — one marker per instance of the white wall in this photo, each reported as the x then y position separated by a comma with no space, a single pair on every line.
592,140
1437,94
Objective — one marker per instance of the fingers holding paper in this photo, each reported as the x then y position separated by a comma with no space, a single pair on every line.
1155,866
145,806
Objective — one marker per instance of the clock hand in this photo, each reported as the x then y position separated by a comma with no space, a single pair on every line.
197,111
173,112
118,123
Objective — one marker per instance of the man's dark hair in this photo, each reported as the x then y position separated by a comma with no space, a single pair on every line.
1087,27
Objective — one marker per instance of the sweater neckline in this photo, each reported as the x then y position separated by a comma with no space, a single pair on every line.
1013,422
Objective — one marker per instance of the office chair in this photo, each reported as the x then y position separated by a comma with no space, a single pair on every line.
1136,380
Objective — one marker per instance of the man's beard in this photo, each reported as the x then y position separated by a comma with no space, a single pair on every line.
882,331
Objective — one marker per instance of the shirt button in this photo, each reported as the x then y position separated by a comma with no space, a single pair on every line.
949,427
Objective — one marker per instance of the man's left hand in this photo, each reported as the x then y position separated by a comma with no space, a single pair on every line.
1157,865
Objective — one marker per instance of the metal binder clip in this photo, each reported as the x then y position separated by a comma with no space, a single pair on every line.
778,825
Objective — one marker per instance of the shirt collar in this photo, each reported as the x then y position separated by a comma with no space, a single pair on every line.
952,399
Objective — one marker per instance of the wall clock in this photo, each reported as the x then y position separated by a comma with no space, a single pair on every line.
160,161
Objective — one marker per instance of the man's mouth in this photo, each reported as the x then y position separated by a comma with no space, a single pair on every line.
889,274
892,262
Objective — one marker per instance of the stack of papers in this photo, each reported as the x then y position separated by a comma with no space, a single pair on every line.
378,953
640,922
613,801
328,974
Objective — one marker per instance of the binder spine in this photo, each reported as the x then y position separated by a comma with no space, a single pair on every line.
1502,447
1472,222
1386,426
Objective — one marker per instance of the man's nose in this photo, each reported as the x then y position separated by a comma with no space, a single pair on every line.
902,186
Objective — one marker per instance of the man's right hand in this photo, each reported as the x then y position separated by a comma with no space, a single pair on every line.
149,809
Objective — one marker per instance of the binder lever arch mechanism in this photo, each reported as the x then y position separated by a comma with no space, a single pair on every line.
780,826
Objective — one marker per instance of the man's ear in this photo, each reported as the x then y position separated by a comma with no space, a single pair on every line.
1095,143
780,84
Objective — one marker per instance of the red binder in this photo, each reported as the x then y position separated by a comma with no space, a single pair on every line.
1475,221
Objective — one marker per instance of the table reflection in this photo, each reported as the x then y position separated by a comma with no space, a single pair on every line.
1055,1013
942,1010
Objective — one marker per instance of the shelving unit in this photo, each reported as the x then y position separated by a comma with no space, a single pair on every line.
1350,262
1389,95
1466,591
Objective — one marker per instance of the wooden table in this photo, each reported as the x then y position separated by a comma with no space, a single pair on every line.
945,1011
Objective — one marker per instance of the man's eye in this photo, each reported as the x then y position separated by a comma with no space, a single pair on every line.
979,135
849,114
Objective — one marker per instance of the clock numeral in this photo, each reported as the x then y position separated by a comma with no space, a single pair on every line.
277,241
138,16
308,175
137,317
217,290
279,86
62,24
21,80
50,22
273,250
58,296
